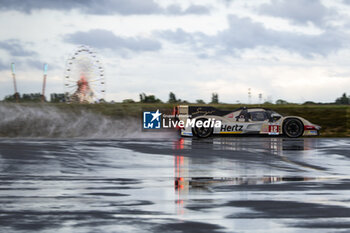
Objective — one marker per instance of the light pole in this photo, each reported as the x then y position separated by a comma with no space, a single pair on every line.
249,96
260,98
44,83
13,69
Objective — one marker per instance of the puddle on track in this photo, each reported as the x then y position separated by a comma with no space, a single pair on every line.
166,185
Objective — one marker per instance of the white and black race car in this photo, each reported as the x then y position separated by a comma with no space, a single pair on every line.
241,121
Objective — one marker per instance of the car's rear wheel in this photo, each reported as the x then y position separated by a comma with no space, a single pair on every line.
202,132
293,128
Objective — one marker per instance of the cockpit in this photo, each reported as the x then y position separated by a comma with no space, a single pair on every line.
256,114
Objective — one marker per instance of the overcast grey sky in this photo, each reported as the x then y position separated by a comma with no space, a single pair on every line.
295,50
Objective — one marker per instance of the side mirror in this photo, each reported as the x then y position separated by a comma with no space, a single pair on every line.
275,117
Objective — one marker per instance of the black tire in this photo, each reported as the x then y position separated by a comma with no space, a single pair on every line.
202,132
293,128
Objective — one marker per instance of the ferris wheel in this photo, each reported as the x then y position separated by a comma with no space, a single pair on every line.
84,80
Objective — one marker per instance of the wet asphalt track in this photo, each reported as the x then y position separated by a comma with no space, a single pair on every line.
175,185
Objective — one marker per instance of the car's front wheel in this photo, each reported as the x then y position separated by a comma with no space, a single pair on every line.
202,132
293,128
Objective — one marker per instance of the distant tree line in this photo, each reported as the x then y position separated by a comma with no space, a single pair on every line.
34,97
144,98
172,99
149,99
31,97
343,100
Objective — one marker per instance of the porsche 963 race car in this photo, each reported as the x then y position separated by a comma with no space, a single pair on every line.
241,121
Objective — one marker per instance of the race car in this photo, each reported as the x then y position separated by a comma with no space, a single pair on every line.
240,121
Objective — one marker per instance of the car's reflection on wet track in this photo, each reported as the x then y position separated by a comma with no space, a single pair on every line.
295,157
230,184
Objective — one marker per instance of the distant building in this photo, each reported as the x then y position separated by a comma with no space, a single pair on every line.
58,98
